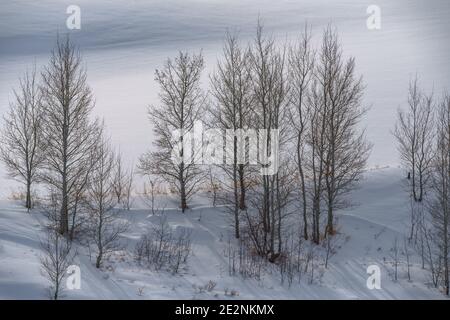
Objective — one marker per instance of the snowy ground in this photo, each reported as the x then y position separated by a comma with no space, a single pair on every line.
367,232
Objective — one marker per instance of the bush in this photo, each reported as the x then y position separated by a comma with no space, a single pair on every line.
244,261
162,248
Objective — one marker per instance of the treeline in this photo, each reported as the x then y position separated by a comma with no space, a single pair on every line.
49,137
305,104
281,186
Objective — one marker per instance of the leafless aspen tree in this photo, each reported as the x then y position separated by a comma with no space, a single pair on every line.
231,88
119,179
69,134
420,242
104,227
57,253
128,190
331,244
182,102
440,202
123,183
430,251
270,96
414,136
407,251
347,150
56,259
395,255
151,189
316,155
21,144
213,185
301,67
339,148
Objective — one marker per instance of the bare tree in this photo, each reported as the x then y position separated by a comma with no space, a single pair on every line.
213,185
150,190
57,254
407,251
105,228
315,156
440,202
22,143
231,88
414,136
128,190
301,65
331,244
163,247
271,193
55,261
69,133
182,102
428,247
119,179
338,149
395,255
347,150
123,183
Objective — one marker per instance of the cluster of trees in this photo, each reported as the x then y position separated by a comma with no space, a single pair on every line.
423,136
311,98
49,138
303,100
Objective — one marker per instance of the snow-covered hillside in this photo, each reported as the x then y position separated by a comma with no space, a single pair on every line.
123,42
367,232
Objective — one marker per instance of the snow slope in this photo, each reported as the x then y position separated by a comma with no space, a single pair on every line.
124,41
367,232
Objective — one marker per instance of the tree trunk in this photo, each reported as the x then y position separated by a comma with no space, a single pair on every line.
242,204
303,190
64,215
316,230
28,196
183,197
99,260
330,227
236,223
236,205
55,295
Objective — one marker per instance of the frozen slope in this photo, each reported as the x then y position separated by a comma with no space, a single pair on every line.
367,233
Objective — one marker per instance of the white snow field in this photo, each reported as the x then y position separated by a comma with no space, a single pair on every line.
367,232
124,41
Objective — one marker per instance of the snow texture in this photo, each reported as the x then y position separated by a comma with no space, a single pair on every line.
368,232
